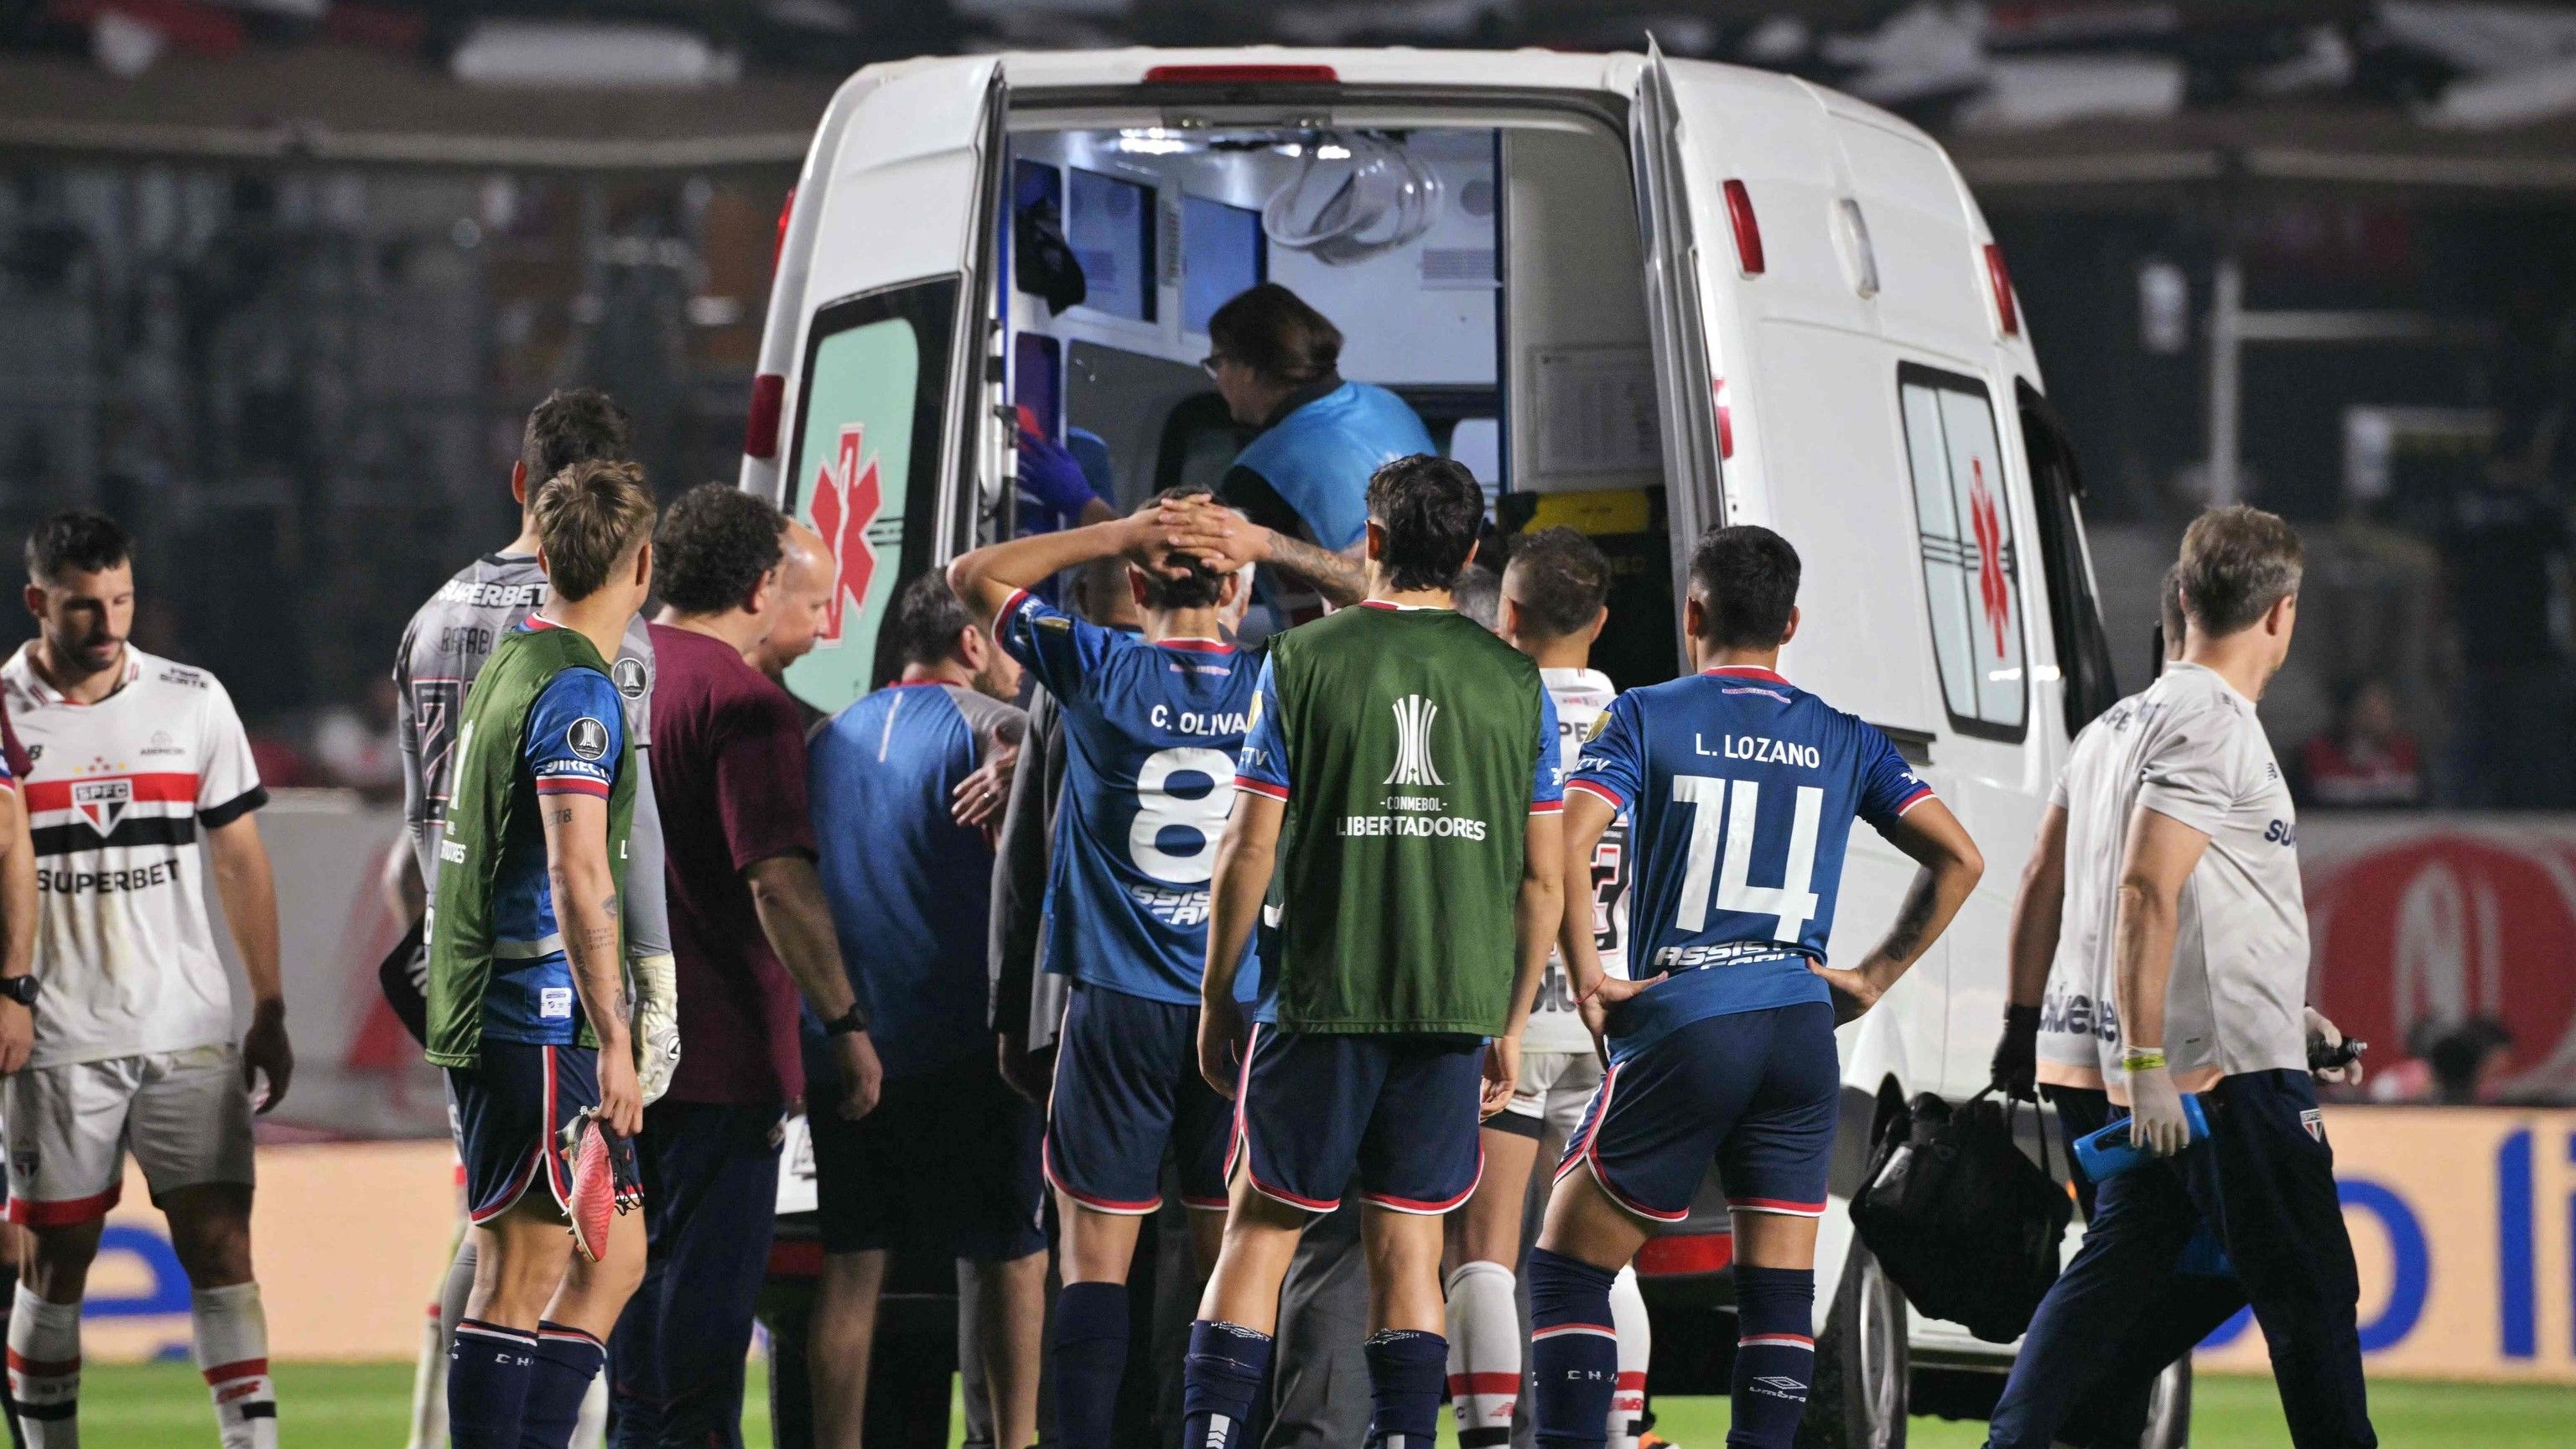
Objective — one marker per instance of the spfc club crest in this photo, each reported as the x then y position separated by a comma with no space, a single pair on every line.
2314,1120
102,802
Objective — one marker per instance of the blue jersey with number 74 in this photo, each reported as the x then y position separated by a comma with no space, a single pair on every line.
1150,732
1741,789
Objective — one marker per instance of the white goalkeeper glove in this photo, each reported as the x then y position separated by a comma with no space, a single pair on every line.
657,1024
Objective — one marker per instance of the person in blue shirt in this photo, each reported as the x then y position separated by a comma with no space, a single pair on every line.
1275,360
1741,789
1151,726
948,1161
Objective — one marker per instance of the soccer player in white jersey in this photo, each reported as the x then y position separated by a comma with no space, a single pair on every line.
1552,607
134,759
2208,957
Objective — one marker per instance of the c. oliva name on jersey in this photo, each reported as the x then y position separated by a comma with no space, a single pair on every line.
1231,723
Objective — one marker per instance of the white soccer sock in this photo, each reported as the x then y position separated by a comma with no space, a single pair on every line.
232,1352
1636,1345
1484,1322
429,1376
44,1370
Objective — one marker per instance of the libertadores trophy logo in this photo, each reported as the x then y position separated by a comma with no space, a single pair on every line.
1413,717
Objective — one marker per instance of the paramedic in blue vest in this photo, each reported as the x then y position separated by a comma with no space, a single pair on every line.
1305,475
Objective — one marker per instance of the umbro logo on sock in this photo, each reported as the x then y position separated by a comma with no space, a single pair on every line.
1781,1386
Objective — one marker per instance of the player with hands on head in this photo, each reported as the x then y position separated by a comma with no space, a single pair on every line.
1151,724
1723,1046
528,1008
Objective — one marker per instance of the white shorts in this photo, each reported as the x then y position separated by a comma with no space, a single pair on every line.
1550,1097
185,1116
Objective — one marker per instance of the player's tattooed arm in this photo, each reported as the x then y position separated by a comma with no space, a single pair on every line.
1951,864
585,896
1225,540
1338,577
985,579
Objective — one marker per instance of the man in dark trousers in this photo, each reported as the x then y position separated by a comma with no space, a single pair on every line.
2208,965
750,929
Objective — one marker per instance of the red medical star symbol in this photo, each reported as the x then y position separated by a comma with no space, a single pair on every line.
1993,590
846,501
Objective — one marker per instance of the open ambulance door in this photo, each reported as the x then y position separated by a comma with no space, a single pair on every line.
879,339
1690,392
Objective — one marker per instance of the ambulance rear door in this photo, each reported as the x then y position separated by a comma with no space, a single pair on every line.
876,358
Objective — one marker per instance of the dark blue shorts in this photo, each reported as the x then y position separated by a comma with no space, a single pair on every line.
1402,1110
1754,1091
509,1114
1127,1085
947,1164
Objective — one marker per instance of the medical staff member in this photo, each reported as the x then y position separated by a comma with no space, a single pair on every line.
1305,476
2209,953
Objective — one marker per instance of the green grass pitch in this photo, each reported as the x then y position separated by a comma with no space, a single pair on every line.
364,1406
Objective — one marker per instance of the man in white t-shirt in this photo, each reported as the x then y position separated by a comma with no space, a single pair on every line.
134,759
2208,957
1552,607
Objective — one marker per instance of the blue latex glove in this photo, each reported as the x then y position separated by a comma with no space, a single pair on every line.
1050,475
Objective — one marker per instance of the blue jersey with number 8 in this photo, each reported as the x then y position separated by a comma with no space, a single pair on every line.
1150,733
1741,789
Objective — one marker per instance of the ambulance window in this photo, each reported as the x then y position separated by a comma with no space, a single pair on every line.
2075,620
1971,569
1223,253
1110,226
866,465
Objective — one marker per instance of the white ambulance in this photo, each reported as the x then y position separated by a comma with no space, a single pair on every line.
1637,295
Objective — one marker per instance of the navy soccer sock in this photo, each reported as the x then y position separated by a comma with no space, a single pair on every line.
1406,1368
1574,1350
567,1360
1220,1383
1090,1358
487,1384
1775,1358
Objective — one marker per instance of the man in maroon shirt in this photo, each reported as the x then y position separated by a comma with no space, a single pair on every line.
750,929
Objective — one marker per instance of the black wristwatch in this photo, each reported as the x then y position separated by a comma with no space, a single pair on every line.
853,1020
20,989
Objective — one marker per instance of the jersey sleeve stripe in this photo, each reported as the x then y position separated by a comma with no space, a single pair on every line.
1596,788
1546,807
571,785
219,816
1010,611
1261,787
1917,798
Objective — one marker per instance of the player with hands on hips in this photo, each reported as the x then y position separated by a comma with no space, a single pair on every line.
1722,1047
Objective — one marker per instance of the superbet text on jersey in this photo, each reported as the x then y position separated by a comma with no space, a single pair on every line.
117,796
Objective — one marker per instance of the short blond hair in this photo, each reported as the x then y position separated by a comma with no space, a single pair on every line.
590,518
